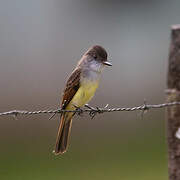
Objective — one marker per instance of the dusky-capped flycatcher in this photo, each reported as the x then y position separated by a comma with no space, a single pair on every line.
79,89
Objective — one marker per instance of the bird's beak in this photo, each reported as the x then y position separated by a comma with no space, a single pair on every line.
107,63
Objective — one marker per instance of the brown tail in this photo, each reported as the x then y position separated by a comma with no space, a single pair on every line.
63,134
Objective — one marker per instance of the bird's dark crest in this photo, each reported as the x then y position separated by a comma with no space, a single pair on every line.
98,52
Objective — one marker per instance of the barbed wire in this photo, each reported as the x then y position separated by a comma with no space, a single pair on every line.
91,110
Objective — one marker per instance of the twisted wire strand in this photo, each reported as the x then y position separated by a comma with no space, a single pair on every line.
91,110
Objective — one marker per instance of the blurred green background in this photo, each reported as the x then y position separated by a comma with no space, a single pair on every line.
40,43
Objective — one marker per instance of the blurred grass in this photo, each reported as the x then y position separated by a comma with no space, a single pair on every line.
140,157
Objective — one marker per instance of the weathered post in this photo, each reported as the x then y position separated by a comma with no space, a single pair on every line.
173,112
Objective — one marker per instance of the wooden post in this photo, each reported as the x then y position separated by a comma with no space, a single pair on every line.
173,112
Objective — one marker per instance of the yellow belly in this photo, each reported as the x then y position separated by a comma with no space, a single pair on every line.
84,94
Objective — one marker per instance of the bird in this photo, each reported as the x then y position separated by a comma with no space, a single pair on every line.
79,90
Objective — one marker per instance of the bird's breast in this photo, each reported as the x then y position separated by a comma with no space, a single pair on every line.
85,92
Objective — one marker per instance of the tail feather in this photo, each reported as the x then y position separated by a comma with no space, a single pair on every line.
63,134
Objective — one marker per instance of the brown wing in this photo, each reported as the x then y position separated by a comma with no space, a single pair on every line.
71,88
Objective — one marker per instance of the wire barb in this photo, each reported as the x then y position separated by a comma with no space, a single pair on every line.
92,111
145,109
